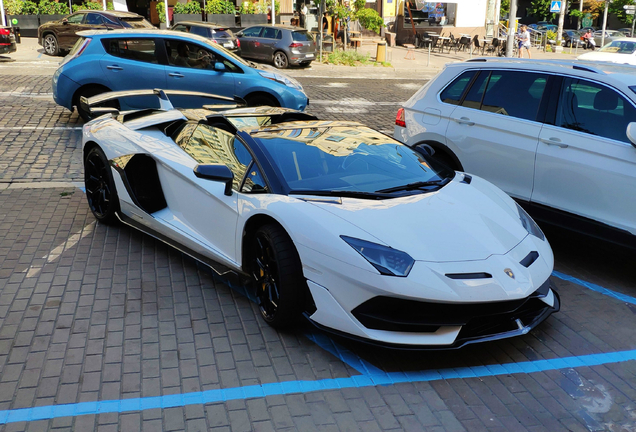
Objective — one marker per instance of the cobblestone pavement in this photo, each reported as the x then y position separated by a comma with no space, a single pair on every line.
95,313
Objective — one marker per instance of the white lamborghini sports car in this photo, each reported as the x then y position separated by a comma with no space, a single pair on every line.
332,220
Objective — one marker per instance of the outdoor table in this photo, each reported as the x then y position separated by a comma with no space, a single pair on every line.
444,41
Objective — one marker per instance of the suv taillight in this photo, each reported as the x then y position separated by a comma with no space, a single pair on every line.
238,43
399,118
296,45
5,32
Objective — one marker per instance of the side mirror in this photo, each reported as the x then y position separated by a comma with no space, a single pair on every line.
219,67
64,21
631,133
239,34
216,172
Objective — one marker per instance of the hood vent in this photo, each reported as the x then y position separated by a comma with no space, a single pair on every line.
469,275
529,259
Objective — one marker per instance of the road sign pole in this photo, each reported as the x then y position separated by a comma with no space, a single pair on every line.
633,22
604,22
511,28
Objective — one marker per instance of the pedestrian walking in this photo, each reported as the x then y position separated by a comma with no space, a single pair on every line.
524,40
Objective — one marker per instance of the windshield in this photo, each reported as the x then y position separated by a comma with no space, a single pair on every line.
345,159
136,23
620,47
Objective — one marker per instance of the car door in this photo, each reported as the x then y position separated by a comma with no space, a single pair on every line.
193,74
268,40
495,130
132,63
585,163
249,41
199,209
67,32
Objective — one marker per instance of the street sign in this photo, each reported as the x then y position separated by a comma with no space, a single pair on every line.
630,12
555,6
630,7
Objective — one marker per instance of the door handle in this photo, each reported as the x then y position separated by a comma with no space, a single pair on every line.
554,141
114,67
176,75
465,121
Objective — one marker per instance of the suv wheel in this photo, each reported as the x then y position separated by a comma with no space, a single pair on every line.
50,45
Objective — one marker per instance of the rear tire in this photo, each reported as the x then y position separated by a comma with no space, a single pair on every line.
100,187
88,92
51,47
280,60
278,278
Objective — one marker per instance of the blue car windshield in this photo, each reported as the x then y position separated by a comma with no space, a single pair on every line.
337,157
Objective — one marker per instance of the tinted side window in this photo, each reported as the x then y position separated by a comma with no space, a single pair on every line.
453,93
594,109
132,49
516,94
476,92
76,19
252,32
180,27
270,32
209,145
93,19
254,181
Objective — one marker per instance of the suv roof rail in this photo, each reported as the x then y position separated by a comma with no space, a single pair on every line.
574,64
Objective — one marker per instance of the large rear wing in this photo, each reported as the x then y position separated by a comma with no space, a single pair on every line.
91,104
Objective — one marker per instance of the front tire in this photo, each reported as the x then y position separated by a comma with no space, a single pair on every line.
277,274
51,47
262,100
100,187
280,60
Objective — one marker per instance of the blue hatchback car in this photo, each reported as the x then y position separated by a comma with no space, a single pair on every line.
116,60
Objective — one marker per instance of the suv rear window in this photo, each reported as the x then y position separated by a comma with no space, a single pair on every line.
136,23
224,34
301,36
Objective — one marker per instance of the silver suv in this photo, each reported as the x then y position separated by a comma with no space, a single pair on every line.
555,135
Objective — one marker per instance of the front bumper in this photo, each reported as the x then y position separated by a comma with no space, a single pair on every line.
63,89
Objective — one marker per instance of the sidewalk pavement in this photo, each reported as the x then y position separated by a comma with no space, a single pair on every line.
422,66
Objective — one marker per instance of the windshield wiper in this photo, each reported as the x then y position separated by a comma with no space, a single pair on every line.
416,185
342,193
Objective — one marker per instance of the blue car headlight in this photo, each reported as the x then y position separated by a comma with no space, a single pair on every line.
285,80
388,261
529,224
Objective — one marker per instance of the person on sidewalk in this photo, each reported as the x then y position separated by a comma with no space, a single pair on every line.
524,41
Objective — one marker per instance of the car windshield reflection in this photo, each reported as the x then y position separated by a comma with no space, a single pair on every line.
620,47
347,159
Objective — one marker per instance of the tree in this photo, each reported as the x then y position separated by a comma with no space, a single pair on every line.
616,7
541,10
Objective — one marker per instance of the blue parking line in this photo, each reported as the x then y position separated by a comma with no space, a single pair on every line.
619,296
291,387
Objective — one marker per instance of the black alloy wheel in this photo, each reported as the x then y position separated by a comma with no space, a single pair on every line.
51,47
278,277
100,187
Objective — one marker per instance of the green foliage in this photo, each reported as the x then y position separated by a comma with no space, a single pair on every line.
541,10
219,7
616,7
551,35
359,4
161,11
347,58
248,8
505,7
93,5
14,7
191,7
370,19
49,7
29,8
576,13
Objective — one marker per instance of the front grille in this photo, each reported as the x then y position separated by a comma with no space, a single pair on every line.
476,319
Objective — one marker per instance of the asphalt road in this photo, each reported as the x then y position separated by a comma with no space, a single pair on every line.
90,313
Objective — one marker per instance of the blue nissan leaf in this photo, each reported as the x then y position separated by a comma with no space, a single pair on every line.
102,61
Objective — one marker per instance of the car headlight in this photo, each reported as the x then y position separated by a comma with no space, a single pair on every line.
289,82
529,224
388,261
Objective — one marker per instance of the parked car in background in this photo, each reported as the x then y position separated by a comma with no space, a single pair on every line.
104,61
572,38
621,50
7,40
282,45
559,137
585,29
220,35
329,220
59,36
627,31
610,35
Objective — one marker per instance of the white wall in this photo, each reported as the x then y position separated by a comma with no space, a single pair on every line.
470,13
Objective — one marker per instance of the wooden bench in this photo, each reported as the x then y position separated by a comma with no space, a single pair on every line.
355,42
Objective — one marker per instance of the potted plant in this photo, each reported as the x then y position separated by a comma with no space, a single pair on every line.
50,10
190,11
161,11
253,14
23,14
221,12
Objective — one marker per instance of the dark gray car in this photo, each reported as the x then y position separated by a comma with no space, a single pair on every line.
282,45
221,35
